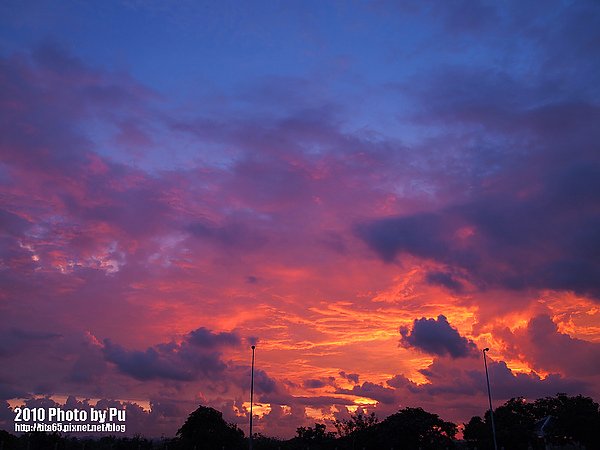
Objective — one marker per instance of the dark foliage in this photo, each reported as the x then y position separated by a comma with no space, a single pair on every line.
408,428
569,420
261,442
316,434
478,434
415,428
574,421
55,441
357,422
316,438
577,419
206,429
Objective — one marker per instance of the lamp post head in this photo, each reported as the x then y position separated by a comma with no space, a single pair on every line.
253,347
486,350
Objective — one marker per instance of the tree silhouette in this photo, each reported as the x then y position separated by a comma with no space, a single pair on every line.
576,419
357,422
515,423
572,420
515,427
312,437
206,429
568,421
317,433
408,428
477,433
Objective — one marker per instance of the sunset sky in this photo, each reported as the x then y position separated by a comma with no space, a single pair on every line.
370,191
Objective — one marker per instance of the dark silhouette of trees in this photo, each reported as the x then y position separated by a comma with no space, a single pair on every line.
7,439
408,428
206,429
317,433
478,434
568,421
417,428
262,442
357,422
573,420
515,427
313,437
515,422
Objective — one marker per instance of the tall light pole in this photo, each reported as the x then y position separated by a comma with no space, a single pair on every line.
251,394
487,377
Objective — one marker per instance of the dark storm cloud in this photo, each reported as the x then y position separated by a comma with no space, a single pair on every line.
264,383
508,384
203,337
421,234
371,390
349,376
90,365
399,381
148,364
196,356
436,337
548,349
445,279
313,383
448,379
548,238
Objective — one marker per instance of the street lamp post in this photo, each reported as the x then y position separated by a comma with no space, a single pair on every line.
251,394
487,377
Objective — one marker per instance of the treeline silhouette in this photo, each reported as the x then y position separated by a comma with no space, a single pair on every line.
559,422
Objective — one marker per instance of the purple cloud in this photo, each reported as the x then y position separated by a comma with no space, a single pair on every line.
550,350
349,376
203,337
313,383
196,356
451,380
377,392
437,337
541,240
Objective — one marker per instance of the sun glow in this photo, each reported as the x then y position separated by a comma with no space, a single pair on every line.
258,409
